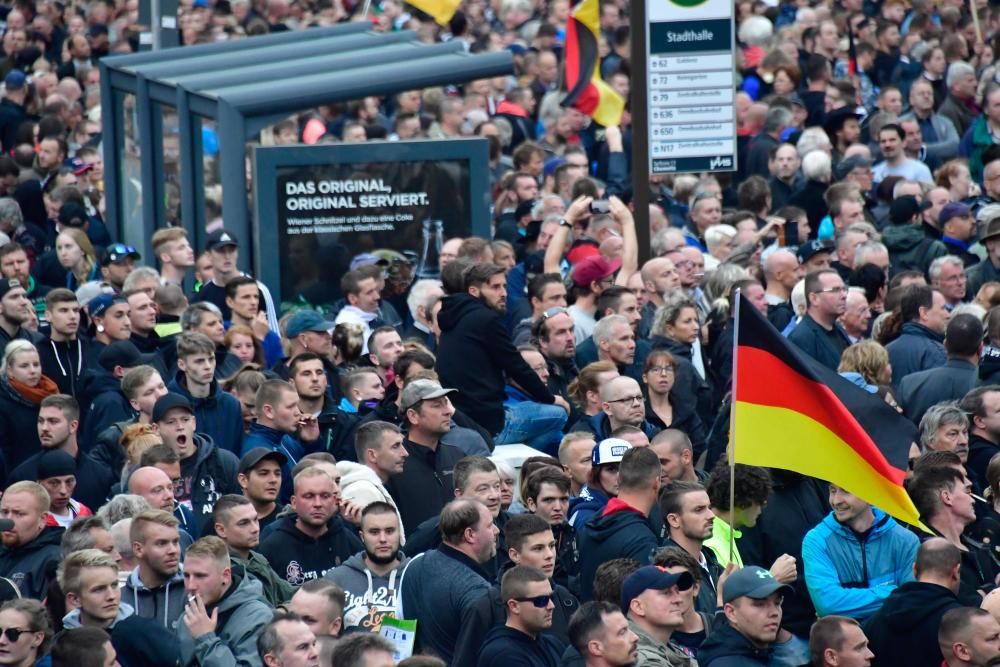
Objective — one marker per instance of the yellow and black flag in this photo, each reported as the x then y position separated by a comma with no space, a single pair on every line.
585,90
795,414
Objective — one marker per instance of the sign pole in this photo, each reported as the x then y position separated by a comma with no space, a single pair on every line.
640,131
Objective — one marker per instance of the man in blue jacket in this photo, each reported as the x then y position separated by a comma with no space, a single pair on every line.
856,557
218,413
281,426
622,529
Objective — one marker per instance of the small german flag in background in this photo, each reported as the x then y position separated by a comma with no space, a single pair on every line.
790,412
585,90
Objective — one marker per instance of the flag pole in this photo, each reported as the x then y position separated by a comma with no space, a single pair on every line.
732,426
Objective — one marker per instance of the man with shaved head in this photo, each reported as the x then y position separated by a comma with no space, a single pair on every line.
782,270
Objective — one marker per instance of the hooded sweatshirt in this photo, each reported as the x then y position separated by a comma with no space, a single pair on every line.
582,507
30,565
107,404
362,486
298,557
911,249
212,474
370,597
904,631
64,362
72,619
242,615
164,604
217,415
619,531
476,353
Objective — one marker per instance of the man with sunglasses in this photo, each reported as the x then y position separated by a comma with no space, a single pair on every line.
527,595
654,606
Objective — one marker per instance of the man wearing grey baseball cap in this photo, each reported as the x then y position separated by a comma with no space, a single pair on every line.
751,599
427,482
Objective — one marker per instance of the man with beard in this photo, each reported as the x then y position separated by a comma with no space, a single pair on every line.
850,575
30,548
476,351
687,513
370,579
442,585
155,589
235,521
315,539
15,311
58,424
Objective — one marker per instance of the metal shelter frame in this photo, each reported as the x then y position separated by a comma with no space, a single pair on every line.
244,86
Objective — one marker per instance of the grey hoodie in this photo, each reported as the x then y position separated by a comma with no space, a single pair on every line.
72,619
242,615
164,604
370,598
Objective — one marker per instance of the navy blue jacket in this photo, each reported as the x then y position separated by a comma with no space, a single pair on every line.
919,391
506,647
725,647
904,631
815,341
218,415
917,349
620,531
289,445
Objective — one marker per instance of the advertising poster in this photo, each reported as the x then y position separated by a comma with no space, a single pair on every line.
320,206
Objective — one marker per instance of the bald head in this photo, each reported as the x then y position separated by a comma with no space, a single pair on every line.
778,261
154,485
619,387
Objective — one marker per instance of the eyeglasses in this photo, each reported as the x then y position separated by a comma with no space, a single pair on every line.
540,601
13,634
661,370
834,290
553,311
628,399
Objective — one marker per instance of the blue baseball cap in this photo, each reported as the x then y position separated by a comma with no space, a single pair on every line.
15,80
101,303
655,578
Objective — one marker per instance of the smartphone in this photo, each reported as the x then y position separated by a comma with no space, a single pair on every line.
599,206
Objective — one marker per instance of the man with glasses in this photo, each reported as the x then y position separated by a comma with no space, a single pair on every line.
752,607
818,333
622,405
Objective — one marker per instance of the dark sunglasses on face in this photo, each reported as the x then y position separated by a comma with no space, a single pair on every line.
540,601
13,634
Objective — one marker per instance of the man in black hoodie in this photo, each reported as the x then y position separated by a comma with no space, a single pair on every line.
476,351
30,549
904,631
622,529
305,545
61,352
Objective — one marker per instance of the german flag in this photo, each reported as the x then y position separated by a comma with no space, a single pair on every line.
790,412
586,91
441,11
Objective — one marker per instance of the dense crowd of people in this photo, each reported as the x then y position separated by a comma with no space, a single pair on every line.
200,470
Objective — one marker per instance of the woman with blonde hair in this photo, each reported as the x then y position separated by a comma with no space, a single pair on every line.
22,388
77,255
866,364
136,439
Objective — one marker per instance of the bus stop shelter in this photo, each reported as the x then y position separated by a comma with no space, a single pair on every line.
160,109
